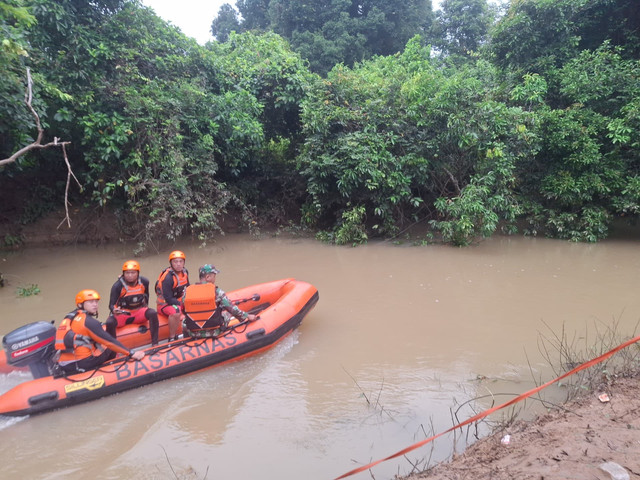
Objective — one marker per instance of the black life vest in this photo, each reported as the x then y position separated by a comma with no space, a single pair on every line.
132,297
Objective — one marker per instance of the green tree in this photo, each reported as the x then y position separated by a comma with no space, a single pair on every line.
339,31
262,73
225,22
15,120
395,135
254,14
586,172
462,26
355,154
537,35
141,117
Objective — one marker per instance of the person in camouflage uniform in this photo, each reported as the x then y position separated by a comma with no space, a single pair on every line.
227,308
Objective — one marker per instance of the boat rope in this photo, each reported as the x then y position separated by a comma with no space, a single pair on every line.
484,414
119,363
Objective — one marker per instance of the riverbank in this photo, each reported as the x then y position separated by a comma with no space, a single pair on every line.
585,439
84,226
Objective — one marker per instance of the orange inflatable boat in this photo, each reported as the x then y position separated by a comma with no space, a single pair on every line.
280,305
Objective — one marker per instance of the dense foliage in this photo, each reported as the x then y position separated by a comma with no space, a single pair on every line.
356,119
329,32
158,124
399,136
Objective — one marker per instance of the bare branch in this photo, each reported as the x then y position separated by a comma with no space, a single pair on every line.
455,182
66,190
32,146
37,145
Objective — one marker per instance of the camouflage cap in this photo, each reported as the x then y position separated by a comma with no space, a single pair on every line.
208,268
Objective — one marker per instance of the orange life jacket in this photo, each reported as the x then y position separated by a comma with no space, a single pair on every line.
200,309
132,298
73,339
180,281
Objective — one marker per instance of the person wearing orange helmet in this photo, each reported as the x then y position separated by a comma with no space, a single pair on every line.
129,300
170,288
82,342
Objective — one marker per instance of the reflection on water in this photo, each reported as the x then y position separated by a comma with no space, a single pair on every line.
401,339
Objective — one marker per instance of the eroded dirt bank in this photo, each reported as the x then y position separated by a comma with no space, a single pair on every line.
571,443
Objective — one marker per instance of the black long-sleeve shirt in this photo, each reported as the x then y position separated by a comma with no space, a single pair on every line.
116,289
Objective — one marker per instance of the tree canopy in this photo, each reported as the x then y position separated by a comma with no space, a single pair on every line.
332,31
354,119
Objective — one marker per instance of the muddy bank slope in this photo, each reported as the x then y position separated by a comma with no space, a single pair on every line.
569,443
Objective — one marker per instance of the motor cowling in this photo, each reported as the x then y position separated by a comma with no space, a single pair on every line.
31,345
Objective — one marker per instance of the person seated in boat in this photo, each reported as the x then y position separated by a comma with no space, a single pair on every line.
207,308
170,288
129,300
82,342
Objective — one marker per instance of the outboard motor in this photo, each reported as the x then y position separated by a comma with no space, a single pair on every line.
31,345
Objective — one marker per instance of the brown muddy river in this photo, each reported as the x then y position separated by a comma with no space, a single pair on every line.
401,336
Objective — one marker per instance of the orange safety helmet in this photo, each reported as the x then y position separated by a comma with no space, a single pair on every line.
131,265
84,295
177,254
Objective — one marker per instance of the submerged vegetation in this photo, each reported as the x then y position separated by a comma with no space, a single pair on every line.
352,119
28,291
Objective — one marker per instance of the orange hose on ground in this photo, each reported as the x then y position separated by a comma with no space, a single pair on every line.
481,415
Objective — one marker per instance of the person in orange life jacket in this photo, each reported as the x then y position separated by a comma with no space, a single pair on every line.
170,290
128,301
83,343
222,303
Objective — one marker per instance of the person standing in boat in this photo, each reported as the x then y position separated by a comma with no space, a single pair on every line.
129,301
82,342
170,288
212,310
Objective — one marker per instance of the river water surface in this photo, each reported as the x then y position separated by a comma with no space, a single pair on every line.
401,336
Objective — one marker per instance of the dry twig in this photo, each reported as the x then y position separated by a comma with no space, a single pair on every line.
37,145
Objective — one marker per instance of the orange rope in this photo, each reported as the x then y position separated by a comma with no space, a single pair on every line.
481,415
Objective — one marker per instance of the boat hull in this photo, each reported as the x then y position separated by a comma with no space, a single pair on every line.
282,305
